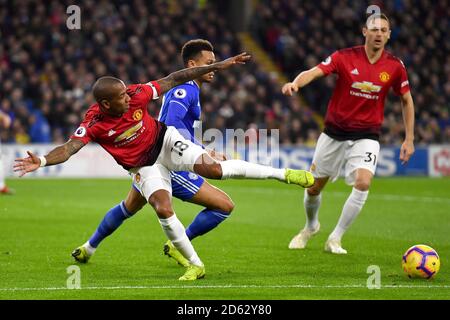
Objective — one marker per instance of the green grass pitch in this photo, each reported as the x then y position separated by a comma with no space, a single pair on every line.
246,257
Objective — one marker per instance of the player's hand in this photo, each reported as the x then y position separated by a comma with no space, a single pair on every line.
406,151
219,156
239,59
28,164
289,88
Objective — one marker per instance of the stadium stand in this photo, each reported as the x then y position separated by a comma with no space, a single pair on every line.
47,70
300,36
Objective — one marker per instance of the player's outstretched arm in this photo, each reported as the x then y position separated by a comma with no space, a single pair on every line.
60,154
178,77
303,79
407,148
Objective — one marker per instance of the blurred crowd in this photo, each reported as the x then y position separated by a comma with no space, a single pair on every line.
301,36
47,70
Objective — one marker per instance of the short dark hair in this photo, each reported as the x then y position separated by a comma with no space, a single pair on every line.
377,16
102,88
193,47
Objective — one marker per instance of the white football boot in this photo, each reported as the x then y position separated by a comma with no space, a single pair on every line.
334,246
301,239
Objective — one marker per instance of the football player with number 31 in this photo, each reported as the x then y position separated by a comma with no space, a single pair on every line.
353,124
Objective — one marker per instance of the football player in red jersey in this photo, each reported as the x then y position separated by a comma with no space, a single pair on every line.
352,124
148,149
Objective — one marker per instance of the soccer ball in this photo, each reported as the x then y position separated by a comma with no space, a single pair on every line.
421,261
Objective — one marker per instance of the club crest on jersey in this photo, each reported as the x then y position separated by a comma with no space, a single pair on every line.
137,115
80,132
366,86
180,93
384,76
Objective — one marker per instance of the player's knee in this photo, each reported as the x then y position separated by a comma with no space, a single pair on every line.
215,171
313,191
211,171
163,208
164,211
362,185
227,206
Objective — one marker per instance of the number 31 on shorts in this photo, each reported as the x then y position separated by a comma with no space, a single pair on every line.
371,157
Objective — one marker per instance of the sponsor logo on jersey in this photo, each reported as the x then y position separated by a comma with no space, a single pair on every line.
80,132
137,115
130,132
384,76
366,87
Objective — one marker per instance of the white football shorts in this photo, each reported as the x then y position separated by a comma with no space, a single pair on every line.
331,156
177,154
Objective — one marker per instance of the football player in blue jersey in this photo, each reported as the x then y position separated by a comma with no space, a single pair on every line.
181,109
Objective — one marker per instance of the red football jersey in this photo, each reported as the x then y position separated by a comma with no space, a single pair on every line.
135,138
356,108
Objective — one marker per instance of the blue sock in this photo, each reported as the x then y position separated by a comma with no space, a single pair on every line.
205,221
112,220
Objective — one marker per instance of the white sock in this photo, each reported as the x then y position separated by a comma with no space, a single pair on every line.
176,233
312,204
2,174
90,249
244,169
352,208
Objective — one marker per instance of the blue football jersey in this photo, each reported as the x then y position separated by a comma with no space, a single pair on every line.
181,108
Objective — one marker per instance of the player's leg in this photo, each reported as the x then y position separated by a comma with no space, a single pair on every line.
190,187
360,169
218,207
193,188
311,202
111,221
154,184
161,201
239,169
179,154
327,161
350,211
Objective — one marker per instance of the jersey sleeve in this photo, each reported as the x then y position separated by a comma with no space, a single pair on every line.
331,64
84,132
143,93
152,89
178,105
401,84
